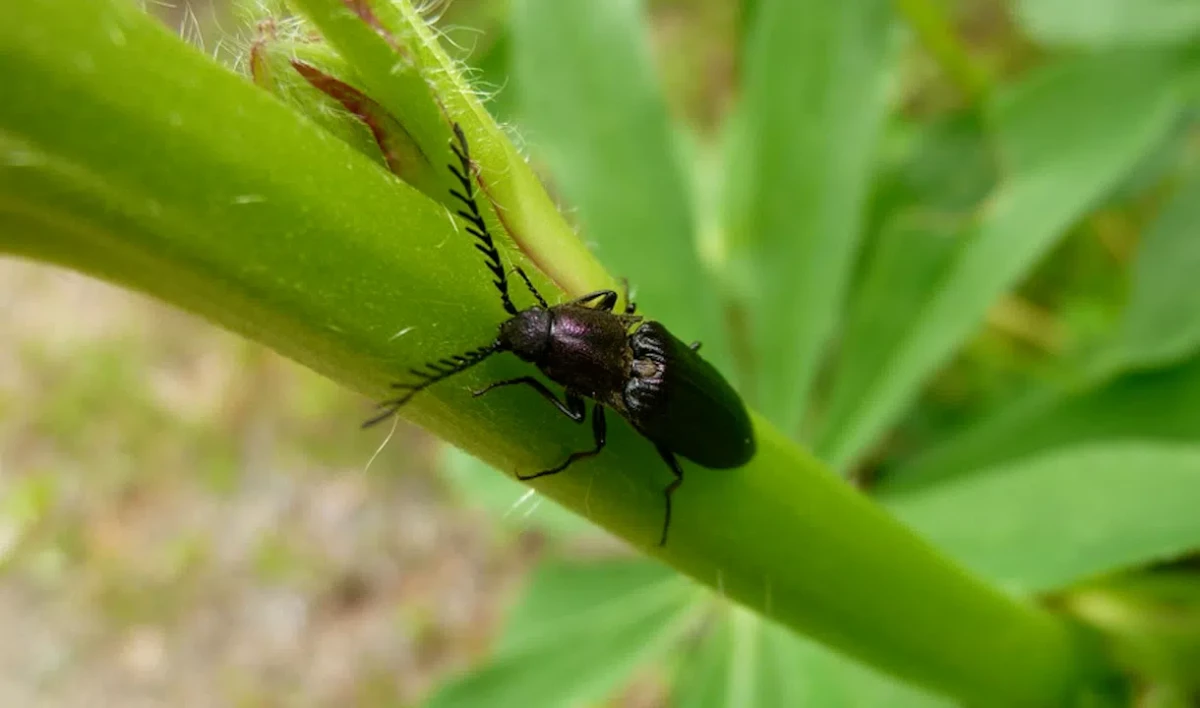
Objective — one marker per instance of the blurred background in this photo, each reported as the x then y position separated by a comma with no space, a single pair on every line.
188,519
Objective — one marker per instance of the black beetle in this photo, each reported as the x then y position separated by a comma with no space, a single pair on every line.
670,395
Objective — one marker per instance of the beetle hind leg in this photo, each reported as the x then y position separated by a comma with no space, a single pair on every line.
599,436
669,458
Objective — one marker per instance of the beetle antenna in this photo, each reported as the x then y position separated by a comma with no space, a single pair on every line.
529,284
476,226
430,374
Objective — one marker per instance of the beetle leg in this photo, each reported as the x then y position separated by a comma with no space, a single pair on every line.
630,305
669,458
572,409
607,298
599,435
694,346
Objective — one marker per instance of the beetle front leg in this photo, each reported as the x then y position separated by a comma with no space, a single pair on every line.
572,409
630,305
673,463
607,298
599,435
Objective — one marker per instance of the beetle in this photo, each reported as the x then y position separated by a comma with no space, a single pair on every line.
670,395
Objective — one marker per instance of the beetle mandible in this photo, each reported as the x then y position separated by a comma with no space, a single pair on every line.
671,396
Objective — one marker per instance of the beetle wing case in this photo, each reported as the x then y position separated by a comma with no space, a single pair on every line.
678,399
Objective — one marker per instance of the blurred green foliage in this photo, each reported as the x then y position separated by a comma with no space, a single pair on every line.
1017,317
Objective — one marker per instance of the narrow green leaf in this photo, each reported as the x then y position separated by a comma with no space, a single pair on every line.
909,257
748,662
1157,405
561,591
921,217
1107,23
827,679
581,632
935,29
812,112
507,500
1065,516
945,166
594,111
1040,123
1162,323
1069,134
705,677
1152,622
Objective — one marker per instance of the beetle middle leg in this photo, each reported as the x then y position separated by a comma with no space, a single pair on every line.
572,408
599,436
673,463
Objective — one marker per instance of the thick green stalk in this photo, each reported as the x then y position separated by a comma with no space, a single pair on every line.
399,60
128,155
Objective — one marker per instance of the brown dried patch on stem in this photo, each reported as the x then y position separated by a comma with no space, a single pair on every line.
403,155
362,8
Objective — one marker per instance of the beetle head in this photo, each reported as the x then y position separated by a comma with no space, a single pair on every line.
526,334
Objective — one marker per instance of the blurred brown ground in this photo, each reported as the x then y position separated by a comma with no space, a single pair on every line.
188,519
185,520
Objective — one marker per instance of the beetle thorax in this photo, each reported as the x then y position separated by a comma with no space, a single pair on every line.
527,334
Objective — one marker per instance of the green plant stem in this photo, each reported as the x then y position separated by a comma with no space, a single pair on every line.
401,80
128,155
937,35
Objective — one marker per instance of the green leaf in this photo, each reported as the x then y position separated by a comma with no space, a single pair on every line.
811,115
507,500
1065,516
561,590
1107,23
944,166
934,27
1156,405
595,113
1069,133
1162,324
921,219
748,662
579,634
909,256
1150,620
